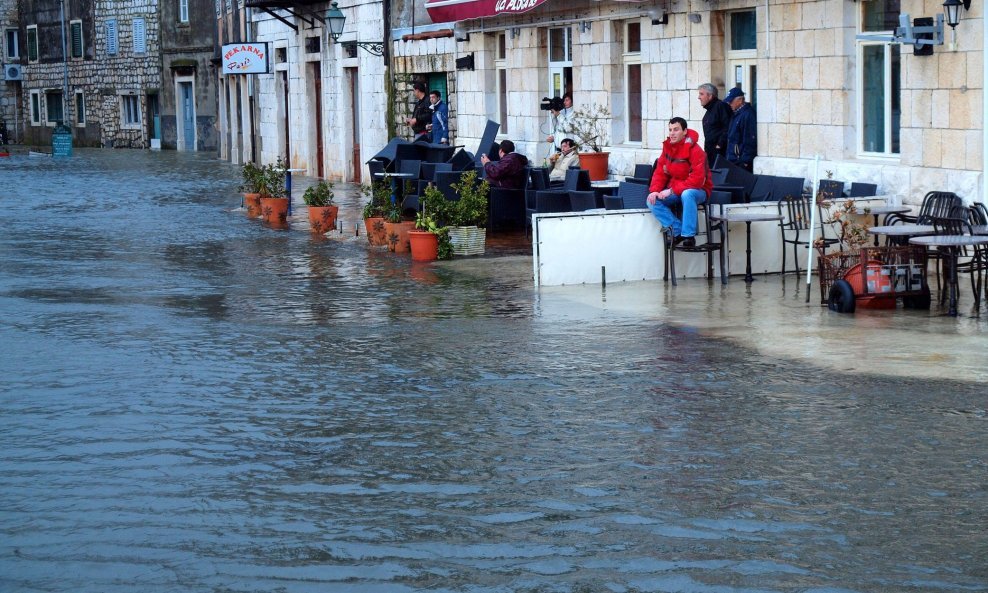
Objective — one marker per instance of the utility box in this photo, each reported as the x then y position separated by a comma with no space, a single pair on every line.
61,141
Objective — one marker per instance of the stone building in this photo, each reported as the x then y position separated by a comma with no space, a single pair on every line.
871,109
236,101
11,111
322,104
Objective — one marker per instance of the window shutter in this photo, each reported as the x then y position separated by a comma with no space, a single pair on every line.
32,45
76,40
111,37
140,38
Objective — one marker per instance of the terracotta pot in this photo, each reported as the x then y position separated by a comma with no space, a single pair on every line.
322,219
396,235
253,204
424,245
596,164
274,210
375,230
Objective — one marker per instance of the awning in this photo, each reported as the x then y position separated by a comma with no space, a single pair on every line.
448,11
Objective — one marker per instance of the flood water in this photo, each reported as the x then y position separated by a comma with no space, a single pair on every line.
192,401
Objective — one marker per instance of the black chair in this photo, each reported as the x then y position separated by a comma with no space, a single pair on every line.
411,166
978,214
787,187
461,160
577,180
968,260
429,170
719,176
376,169
735,174
444,183
543,201
506,207
580,201
830,189
538,178
709,241
629,196
761,191
643,171
796,212
638,180
862,190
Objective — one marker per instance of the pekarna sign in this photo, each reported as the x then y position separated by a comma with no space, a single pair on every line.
245,58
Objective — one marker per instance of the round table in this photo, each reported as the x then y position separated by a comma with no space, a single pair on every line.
902,230
952,244
747,218
878,210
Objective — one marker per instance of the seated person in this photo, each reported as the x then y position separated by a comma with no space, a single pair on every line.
509,172
562,161
680,177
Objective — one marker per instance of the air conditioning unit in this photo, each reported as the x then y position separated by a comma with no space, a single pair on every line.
13,72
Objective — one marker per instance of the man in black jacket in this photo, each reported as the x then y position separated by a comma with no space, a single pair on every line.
422,115
716,121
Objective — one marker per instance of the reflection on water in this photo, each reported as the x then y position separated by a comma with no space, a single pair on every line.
194,402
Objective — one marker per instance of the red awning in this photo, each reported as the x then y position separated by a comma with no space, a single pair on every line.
448,11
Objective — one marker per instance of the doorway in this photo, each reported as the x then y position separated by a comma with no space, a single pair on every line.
315,78
186,116
154,118
283,112
353,81
560,61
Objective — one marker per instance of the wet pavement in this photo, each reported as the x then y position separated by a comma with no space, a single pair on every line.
193,401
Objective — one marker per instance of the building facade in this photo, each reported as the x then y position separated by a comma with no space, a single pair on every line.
11,111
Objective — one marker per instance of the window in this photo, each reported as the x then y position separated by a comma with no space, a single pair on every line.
880,81
35,108
75,28
53,106
140,36
501,67
633,80
130,111
183,11
111,37
80,109
32,43
560,61
13,44
743,30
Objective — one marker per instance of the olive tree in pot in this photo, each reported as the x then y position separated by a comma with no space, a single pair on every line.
322,210
467,230
378,195
253,182
588,126
274,194
430,239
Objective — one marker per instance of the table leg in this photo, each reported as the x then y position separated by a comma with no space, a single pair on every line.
952,278
747,264
288,190
876,236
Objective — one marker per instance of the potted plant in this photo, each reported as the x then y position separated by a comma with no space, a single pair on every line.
322,210
378,195
430,239
467,230
274,195
396,229
588,126
253,179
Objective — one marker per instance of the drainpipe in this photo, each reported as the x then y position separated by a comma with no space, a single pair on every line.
984,116
65,62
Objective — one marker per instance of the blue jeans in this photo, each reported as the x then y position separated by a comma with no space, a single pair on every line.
689,200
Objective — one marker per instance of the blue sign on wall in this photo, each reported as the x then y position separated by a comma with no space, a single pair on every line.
61,141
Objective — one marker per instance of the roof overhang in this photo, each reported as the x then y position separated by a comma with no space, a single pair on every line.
301,9
451,11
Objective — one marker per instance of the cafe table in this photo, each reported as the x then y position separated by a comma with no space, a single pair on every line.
747,218
877,211
952,244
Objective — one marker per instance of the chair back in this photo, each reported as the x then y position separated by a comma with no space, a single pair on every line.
461,160
376,169
632,195
954,222
937,204
862,190
830,189
787,187
506,207
762,190
795,212
429,170
643,171
538,178
580,201
979,214
410,166
718,176
444,183
552,201
577,180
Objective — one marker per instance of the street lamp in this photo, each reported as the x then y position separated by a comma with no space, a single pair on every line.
337,19
952,12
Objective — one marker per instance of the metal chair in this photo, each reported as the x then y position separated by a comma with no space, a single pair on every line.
708,245
968,260
796,216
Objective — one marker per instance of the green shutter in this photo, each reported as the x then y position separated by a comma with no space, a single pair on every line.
77,40
32,45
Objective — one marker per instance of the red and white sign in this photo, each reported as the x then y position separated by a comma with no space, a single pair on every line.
245,58
448,11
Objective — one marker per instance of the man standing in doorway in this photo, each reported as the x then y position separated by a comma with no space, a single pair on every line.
680,177
716,122
440,119
422,115
742,136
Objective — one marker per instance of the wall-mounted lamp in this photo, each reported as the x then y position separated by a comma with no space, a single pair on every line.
695,17
336,20
585,26
515,32
460,32
658,16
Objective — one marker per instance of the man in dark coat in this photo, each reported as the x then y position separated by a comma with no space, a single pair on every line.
716,121
422,115
509,172
742,135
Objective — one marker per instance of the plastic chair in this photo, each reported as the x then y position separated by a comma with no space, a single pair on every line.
444,183
581,201
862,190
708,245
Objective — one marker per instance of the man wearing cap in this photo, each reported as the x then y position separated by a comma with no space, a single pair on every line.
742,137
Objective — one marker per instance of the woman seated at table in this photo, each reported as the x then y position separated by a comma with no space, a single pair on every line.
562,161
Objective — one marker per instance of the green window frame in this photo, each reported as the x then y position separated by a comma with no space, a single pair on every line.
75,30
32,43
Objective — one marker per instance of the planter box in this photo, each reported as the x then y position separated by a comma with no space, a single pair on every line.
467,240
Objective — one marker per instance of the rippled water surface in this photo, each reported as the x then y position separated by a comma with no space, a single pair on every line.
192,401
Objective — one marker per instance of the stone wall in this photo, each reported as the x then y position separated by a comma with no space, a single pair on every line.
11,112
187,49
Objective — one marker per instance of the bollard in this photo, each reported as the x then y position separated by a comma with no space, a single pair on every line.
603,276
356,230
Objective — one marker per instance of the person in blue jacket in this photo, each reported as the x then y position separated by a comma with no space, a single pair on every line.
742,135
440,119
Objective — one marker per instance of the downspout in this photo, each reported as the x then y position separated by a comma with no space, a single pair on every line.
984,115
389,84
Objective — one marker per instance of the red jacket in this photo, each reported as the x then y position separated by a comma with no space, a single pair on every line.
681,167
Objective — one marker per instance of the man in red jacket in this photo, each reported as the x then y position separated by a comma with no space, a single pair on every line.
681,177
